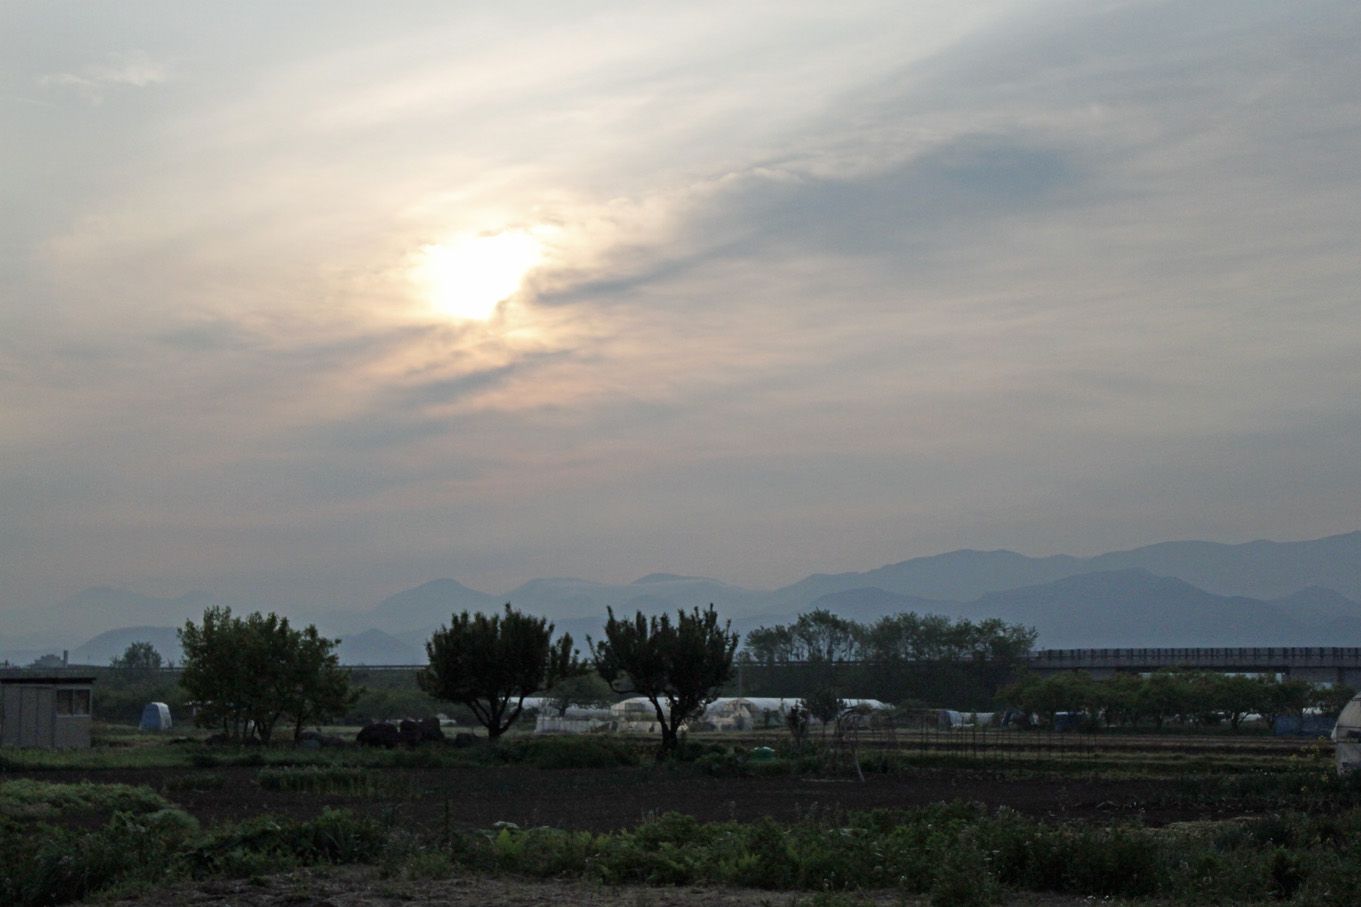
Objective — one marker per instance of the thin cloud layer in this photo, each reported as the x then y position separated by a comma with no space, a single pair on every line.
93,82
820,289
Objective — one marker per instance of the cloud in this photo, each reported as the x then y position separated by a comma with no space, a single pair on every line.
131,70
823,289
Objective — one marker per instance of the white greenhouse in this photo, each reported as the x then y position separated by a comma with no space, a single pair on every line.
575,720
1347,736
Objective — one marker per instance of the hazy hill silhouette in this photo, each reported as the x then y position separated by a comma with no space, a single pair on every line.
1167,594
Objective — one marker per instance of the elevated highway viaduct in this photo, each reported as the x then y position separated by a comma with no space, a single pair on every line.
1316,664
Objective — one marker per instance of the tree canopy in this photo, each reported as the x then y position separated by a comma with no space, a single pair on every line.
490,663
899,657
678,667
1190,697
138,658
821,636
248,674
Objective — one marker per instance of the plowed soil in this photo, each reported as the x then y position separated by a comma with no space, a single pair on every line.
604,799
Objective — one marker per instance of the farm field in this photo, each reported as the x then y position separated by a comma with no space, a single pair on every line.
586,820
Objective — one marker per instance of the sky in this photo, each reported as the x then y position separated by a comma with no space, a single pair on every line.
312,302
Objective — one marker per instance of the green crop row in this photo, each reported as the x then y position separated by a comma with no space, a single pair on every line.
956,853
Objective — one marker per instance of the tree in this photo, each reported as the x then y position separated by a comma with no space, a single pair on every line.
1289,696
491,663
1237,695
823,637
678,667
769,646
313,686
248,674
1164,695
1067,691
1330,700
824,705
139,658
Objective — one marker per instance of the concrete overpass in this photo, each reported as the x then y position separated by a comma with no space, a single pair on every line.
1317,664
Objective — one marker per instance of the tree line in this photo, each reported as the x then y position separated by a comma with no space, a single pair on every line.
247,675
1184,697
907,658
821,636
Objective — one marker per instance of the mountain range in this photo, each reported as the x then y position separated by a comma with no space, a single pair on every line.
1188,593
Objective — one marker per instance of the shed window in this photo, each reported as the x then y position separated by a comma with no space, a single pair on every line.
73,702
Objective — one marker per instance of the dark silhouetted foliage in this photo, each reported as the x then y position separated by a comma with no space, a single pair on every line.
491,663
679,667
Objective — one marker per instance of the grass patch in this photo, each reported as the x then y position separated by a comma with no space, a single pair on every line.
28,799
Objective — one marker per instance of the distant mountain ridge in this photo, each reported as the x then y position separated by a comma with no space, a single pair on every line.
111,644
1170,593
106,608
1255,569
1261,569
430,604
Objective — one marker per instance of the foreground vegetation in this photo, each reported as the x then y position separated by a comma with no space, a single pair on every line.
955,853
1296,835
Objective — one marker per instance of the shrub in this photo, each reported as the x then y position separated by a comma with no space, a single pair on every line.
268,844
42,864
765,859
964,877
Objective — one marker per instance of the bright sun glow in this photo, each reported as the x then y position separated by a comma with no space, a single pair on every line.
468,277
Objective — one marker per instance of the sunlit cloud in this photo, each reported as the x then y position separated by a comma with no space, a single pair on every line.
469,276
749,289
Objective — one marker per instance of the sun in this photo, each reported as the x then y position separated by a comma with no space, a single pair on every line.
468,277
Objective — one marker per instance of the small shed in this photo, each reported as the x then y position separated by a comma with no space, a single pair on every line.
155,717
45,711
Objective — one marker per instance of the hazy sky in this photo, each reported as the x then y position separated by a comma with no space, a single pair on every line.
796,287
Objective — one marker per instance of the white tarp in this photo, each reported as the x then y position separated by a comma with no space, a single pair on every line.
575,720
